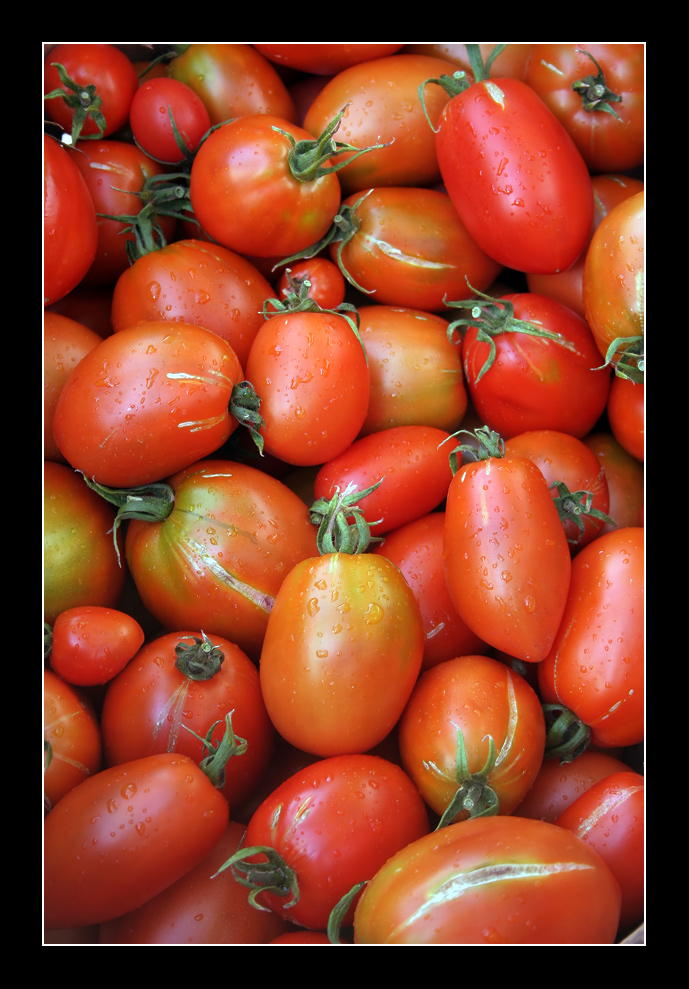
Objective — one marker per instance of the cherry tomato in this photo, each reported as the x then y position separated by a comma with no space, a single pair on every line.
71,739
65,342
325,58
161,105
91,645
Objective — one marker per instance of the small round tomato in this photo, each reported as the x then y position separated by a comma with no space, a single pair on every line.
626,410
326,282
65,342
71,739
161,106
91,645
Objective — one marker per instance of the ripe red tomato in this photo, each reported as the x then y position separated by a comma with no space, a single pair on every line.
124,835
90,644
626,410
325,58
310,372
488,704
65,342
596,90
509,62
159,107
71,739
492,880
596,665
341,653
147,402
625,477
326,282
167,689
70,229
515,176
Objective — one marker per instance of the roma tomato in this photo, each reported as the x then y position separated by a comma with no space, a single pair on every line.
341,654
65,342
595,668
91,645
147,402
159,107
324,58
510,61
124,835
493,880
217,560
71,739
514,175
507,561
627,415
625,478
311,374
479,707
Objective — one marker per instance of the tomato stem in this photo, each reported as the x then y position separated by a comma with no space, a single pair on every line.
594,91
335,533
85,102
307,158
474,798
566,735
214,764
148,503
198,659
575,506
270,876
303,302
485,444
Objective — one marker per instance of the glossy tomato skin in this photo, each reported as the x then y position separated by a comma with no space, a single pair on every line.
625,478
191,281
596,664
218,560
91,645
559,785
342,651
535,383
516,179
150,705
311,374
70,229
147,402
71,728
492,880
327,284
245,197
414,466
65,342
124,835
326,59
627,415
411,249
156,104
353,812
481,698
507,561
510,61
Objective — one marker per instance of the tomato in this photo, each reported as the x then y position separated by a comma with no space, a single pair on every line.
479,706
200,908
614,281
161,105
233,80
327,284
507,561
509,62
596,665
65,342
407,247
185,680
217,561
325,58
626,410
609,817
71,738
190,281
625,478
70,229
80,564
341,653
514,175
124,835
596,89
253,194
333,825
414,467
310,372
302,937
382,105
535,381
147,402
101,66
417,549
563,459
416,373
90,644
492,880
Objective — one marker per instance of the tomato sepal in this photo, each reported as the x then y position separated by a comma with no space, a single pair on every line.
272,876
485,444
567,736
199,659
335,533
147,503
474,797
85,102
574,506
626,355
307,158
594,91
162,195
219,753
460,81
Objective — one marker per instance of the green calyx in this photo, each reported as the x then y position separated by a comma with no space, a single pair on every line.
459,81
148,503
245,406
214,765
566,735
198,659
576,506
342,527
484,444
271,875
85,102
594,92
626,356
303,302
474,797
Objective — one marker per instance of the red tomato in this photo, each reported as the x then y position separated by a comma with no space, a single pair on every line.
510,61
90,645
596,90
515,176
534,382
596,665
247,193
190,281
507,561
71,739
414,466
146,402
310,372
493,880
167,689
407,247
325,58
351,813
626,410
609,818
341,654
626,480
327,284
302,937
124,835
65,342
70,229
486,702
161,105
217,561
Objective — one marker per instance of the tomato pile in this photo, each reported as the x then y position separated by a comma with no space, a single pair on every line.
343,493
